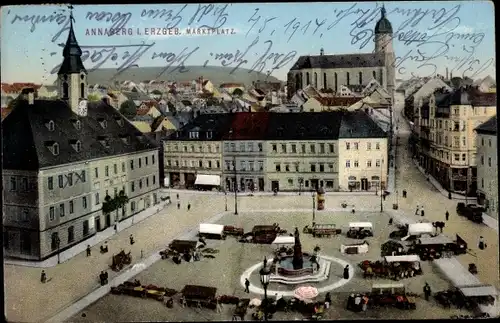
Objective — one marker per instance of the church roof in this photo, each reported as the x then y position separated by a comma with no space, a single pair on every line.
383,26
72,54
489,127
339,61
26,135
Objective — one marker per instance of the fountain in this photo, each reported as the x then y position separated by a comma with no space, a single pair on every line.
300,267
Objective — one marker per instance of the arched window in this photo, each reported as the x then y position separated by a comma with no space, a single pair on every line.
297,82
301,81
71,234
315,80
82,90
336,82
325,86
374,75
308,80
382,79
360,78
348,78
65,90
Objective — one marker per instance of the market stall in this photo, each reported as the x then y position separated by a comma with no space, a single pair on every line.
355,248
211,231
200,296
360,230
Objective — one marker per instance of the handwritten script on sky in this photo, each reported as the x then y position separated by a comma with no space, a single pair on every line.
269,41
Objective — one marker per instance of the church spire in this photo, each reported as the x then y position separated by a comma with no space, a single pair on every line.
383,11
72,52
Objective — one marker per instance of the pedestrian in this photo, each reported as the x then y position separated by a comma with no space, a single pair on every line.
88,250
142,254
449,195
353,210
384,195
390,221
131,238
106,276
427,291
178,205
116,227
43,277
422,211
481,244
346,272
247,284
417,210
447,215
404,193
101,278
189,206
177,195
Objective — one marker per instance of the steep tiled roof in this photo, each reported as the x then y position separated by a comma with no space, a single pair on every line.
358,124
217,124
17,87
26,134
339,61
338,101
247,125
304,126
489,127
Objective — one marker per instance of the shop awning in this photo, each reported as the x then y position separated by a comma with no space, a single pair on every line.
284,240
406,258
481,290
420,228
213,180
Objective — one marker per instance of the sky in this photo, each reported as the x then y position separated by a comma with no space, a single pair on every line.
269,37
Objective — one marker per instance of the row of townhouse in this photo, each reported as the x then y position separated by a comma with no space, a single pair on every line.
266,151
445,142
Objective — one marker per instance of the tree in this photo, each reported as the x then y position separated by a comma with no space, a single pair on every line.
108,206
128,109
93,97
156,92
238,92
121,200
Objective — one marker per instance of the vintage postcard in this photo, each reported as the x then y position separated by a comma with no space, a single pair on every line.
258,161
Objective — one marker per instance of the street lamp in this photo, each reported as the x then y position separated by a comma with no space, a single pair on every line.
235,186
265,274
313,195
58,244
225,198
381,193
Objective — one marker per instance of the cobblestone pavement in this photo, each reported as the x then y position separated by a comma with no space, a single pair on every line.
234,258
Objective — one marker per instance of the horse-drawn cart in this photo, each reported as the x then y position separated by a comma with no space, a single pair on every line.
322,230
230,230
360,230
120,260
392,294
200,296
355,248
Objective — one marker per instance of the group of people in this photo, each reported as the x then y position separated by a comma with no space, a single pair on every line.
179,204
357,302
103,277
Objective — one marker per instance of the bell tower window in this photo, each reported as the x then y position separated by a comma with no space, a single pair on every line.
82,90
324,81
336,82
374,75
360,78
348,78
65,89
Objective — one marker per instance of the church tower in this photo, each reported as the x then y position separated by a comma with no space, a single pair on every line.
72,76
383,44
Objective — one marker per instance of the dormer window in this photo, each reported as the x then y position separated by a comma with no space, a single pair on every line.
77,124
50,125
119,121
102,122
280,132
76,144
104,140
209,134
139,136
53,147
125,139
194,135
302,130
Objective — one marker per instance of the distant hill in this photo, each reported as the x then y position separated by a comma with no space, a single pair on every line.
217,75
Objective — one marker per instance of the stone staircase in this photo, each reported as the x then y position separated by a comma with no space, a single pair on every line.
321,275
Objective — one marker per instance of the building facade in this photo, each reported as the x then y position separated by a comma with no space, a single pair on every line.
61,158
444,125
487,166
333,71
195,149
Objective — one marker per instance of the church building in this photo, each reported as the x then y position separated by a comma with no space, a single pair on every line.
334,71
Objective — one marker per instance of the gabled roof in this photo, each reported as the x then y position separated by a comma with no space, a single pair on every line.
216,124
339,61
25,133
358,124
337,101
489,127
248,125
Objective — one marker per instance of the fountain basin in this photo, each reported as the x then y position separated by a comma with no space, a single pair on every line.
321,275
285,267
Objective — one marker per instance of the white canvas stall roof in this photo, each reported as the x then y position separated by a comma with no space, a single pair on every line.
483,290
388,285
210,228
419,228
407,258
284,240
436,240
207,180
360,225
456,272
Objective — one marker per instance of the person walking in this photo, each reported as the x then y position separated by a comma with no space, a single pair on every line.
422,211
404,193
189,206
43,277
481,245
177,195
346,272
178,205
247,285
131,238
427,291
417,210
447,215
88,250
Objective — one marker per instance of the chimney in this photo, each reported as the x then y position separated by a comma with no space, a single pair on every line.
31,98
321,52
447,73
